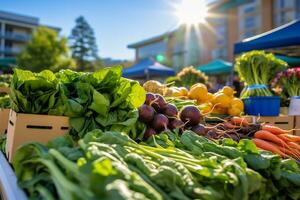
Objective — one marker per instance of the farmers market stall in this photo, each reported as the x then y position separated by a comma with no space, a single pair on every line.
101,136
284,40
147,68
216,67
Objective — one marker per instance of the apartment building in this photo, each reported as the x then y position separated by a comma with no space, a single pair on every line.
229,21
15,32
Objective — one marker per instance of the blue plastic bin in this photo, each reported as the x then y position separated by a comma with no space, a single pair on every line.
262,106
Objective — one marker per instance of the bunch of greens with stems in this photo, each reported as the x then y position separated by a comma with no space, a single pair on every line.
257,69
110,165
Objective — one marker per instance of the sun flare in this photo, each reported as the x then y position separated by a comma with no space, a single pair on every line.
191,12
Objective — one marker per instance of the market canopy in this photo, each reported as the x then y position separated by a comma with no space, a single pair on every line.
148,67
216,67
284,40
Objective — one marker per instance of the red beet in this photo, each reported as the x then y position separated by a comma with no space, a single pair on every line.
150,97
190,115
146,113
171,111
199,129
176,123
159,104
212,134
160,122
149,132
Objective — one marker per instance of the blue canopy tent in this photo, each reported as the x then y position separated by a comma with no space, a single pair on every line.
284,40
148,67
216,67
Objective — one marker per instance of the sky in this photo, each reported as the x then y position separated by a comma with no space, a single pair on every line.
116,23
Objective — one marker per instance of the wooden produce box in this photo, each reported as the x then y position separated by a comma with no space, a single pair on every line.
4,114
283,121
24,128
297,125
5,90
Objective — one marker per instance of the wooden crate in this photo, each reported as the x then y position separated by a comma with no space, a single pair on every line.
297,125
4,114
24,128
283,121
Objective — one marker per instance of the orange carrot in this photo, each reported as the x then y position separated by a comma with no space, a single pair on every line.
269,146
239,121
294,138
284,138
294,145
266,135
230,125
273,129
286,151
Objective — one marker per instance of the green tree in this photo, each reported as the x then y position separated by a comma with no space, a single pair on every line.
45,50
83,45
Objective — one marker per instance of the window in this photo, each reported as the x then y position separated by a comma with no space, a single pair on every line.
152,50
285,11
297,8
249,19
249,33
250,9
250,22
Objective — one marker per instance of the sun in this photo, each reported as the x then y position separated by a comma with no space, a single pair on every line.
191,12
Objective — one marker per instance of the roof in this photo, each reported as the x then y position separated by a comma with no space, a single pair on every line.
6,63
286,37
216,67
19,18
24,19
148,66
292,61
149,40
57,29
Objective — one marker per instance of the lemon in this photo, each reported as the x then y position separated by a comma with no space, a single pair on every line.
238,103
198,91
234,111
210,96
228,91
219,110
184,91
206,108
221,100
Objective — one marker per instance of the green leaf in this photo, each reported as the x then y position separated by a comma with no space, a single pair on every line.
100,104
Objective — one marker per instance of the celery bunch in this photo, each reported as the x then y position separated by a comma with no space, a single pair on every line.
257,69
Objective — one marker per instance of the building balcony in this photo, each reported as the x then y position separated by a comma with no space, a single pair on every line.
10,50
21,37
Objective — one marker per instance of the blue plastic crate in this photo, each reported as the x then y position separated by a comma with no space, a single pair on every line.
262,106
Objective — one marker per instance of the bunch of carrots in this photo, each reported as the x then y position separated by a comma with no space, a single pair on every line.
278,141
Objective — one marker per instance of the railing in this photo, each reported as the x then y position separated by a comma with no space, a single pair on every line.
10,50
16,36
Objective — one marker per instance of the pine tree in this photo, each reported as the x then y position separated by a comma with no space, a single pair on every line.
83,45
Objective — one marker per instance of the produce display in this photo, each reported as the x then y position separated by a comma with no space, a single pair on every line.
278,141
257,69
152,142
158,115
102,99
109,165
187,77
221,102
